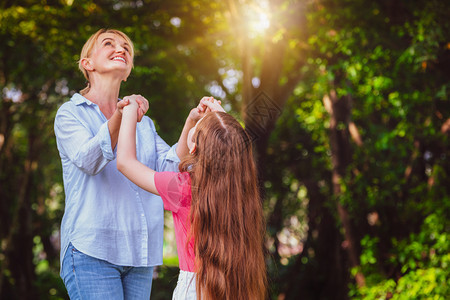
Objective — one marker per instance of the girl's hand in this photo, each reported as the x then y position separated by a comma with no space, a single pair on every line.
121,104
201,109
211,104
141,102
195,114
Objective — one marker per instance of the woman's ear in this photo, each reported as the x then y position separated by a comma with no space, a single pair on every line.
87,65
194,147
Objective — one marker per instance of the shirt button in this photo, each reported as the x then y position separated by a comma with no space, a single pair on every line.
142,215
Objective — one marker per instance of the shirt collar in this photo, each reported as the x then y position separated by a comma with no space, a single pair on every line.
78,99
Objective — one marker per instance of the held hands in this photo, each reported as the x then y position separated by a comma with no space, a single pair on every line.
140,103
206,104
211,104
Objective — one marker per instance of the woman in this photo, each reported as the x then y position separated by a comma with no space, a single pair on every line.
112,231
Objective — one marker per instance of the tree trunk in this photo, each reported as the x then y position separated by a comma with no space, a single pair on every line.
18,243
324,277
339,109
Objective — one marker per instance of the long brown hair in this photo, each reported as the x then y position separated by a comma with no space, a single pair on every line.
226,214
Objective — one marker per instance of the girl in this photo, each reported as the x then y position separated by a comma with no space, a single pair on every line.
215,203
111,231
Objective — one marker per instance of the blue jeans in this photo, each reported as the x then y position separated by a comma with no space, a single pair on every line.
87,277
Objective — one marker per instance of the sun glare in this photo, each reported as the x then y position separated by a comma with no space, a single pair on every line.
261,22
258,18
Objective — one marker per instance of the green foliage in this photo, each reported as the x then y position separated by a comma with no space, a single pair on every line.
378,54
423,260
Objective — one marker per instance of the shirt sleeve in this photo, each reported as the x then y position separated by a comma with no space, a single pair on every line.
90,153
174,189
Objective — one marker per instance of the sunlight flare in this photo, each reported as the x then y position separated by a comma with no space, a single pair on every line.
258,18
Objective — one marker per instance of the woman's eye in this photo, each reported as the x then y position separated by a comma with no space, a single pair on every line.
108,44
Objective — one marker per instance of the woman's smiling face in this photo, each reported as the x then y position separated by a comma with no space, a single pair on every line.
112,53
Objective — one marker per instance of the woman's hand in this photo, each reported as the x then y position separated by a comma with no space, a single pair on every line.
197,113
141,102
121,104
211,104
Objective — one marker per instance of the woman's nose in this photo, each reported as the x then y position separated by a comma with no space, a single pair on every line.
120,49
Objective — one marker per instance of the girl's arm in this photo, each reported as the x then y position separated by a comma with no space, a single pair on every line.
127,162
114,123
182,148
194,115
116,119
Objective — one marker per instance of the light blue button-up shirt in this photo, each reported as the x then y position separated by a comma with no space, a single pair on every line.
107,216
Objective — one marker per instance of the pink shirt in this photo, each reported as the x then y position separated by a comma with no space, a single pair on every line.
175,191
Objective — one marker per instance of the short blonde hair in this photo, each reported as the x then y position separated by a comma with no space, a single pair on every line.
89,46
